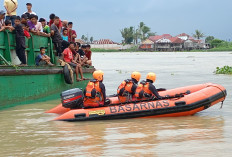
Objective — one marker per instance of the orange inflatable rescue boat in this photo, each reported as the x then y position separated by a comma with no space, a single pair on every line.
182,101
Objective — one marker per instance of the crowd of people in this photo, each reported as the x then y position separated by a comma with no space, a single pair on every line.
62,34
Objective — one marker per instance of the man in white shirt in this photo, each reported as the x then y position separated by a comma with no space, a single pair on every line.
29,6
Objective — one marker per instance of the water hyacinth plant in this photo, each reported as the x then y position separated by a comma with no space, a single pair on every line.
224,70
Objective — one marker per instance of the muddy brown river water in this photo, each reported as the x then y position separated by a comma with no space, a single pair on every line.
27,131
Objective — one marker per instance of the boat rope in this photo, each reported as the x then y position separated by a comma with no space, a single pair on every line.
224,93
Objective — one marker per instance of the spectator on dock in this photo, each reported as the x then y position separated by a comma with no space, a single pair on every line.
43,59
83,59
24,19
20,41
65,34
2,22
88,52
68,58
56,37
38,26
29,10
31,23
46,28
64,25
11,7
52,18
8,25
71,33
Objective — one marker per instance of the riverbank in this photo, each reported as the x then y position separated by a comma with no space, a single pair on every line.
220,49
136,50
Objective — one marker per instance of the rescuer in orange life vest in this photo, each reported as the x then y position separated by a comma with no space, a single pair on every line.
146,89
127,88
95,93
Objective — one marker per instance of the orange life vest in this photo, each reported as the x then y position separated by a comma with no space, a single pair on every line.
93,95
143,90
126,95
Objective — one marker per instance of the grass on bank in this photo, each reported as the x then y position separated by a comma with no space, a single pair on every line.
224,70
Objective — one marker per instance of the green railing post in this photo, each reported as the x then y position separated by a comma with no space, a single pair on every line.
7,53
50,50
31,52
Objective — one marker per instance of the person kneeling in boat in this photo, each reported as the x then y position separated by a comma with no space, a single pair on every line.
95,93
146,89
127,88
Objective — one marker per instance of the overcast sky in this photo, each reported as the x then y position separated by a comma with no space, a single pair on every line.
103,19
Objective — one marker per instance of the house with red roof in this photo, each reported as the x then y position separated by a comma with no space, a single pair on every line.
147,45
109,45
166,42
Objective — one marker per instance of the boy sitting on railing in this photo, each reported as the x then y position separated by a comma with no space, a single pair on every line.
43,59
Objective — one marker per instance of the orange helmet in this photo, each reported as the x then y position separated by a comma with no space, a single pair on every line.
98,75
151,76
136,75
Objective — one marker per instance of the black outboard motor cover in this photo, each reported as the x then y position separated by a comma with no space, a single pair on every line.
72,98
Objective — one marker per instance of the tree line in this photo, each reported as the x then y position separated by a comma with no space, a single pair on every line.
134,35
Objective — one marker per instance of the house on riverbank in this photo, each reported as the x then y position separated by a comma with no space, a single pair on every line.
108,44
166,42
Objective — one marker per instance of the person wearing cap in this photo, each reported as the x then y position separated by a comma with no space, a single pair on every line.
2,17
146,89
127,88
11,6
95,92
29,6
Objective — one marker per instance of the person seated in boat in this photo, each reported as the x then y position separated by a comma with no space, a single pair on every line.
127,88
95,93
68,57
146,89
43,59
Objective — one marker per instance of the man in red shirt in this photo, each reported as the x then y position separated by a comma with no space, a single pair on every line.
68,58
88,54
71,33
52,17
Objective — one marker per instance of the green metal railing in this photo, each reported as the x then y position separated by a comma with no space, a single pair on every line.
7,44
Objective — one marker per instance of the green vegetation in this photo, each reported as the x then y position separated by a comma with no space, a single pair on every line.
133,34
198,34
216,45
208,39
128,35
224,70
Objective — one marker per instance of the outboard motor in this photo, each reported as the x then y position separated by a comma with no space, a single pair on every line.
72,98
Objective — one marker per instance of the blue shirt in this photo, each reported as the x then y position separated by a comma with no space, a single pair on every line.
64,38
38,59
